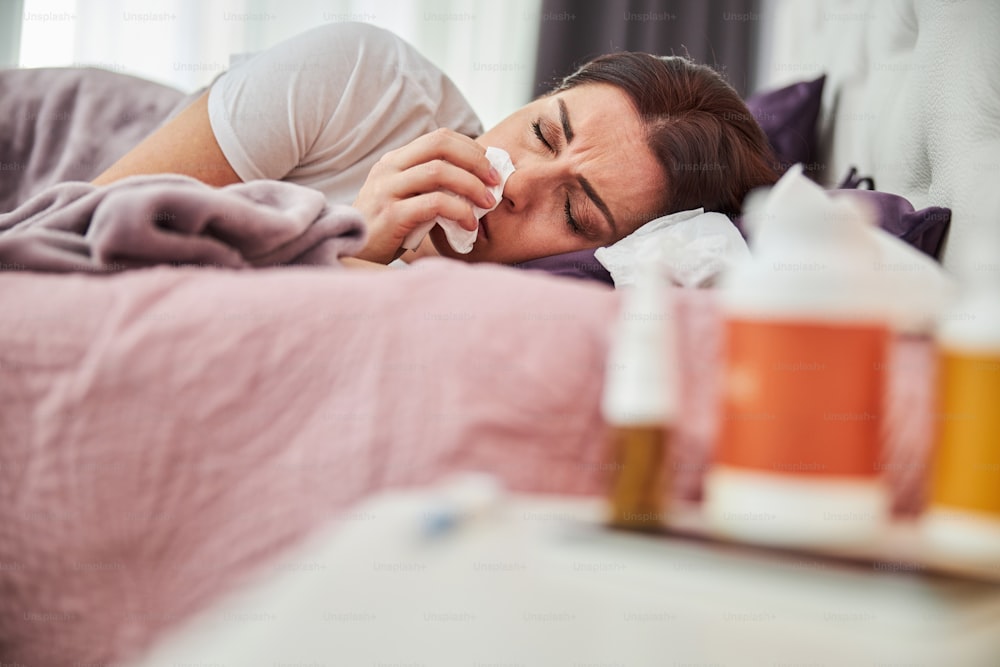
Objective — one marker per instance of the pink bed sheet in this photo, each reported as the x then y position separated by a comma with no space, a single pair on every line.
164,432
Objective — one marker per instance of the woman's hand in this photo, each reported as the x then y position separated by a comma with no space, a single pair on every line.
406,188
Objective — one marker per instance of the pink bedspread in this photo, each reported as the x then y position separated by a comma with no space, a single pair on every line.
163,432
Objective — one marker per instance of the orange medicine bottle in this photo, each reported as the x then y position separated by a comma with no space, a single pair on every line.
962,520
639,403
806,337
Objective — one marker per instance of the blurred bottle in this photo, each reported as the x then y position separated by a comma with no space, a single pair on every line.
963,517
639,403
806,343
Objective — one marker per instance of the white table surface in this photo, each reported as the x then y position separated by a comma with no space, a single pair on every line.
541,583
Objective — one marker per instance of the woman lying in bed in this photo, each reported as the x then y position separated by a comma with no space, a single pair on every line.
357,113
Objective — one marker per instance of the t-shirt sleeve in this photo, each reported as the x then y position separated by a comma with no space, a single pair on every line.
328,99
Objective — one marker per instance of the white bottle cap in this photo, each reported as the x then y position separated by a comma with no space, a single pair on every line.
972,323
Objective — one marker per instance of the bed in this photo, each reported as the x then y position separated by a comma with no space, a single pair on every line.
167,432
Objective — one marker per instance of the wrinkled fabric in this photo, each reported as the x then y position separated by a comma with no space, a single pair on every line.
70,124
165,434
173,219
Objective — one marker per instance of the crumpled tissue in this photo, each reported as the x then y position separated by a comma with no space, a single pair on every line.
461,239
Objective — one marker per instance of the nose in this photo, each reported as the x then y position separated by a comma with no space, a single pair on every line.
531,180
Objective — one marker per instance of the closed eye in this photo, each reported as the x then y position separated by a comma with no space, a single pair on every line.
571,222
536,126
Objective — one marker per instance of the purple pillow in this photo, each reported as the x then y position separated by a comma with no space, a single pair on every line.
925,229
788,117
580,264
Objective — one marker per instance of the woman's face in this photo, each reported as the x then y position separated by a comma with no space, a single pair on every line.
584,178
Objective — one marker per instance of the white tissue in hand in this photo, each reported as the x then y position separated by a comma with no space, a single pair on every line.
693,247
461,239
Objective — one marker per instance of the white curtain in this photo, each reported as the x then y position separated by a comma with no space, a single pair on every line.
10,32
487,47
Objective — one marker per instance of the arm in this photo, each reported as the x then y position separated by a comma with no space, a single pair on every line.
355,263
312,100
405,191
185,145
425,249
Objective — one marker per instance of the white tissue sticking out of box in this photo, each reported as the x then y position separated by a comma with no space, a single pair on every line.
461,239
797,222
693,248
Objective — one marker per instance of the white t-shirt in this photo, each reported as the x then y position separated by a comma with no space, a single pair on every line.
321,108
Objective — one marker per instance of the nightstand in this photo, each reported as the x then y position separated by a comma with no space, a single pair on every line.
541,583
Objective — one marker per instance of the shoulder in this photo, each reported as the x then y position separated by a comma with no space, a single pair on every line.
353,42
351,32
371,63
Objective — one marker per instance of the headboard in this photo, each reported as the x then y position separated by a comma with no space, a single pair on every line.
912,98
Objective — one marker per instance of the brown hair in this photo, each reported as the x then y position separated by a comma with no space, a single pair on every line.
699,129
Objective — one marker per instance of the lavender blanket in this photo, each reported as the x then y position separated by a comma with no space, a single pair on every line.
70,124
61,127
171,219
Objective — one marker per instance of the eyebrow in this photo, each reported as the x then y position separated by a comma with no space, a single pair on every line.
584,183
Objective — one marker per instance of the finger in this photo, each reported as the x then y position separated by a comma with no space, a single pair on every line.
406,214
448,145
441,175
